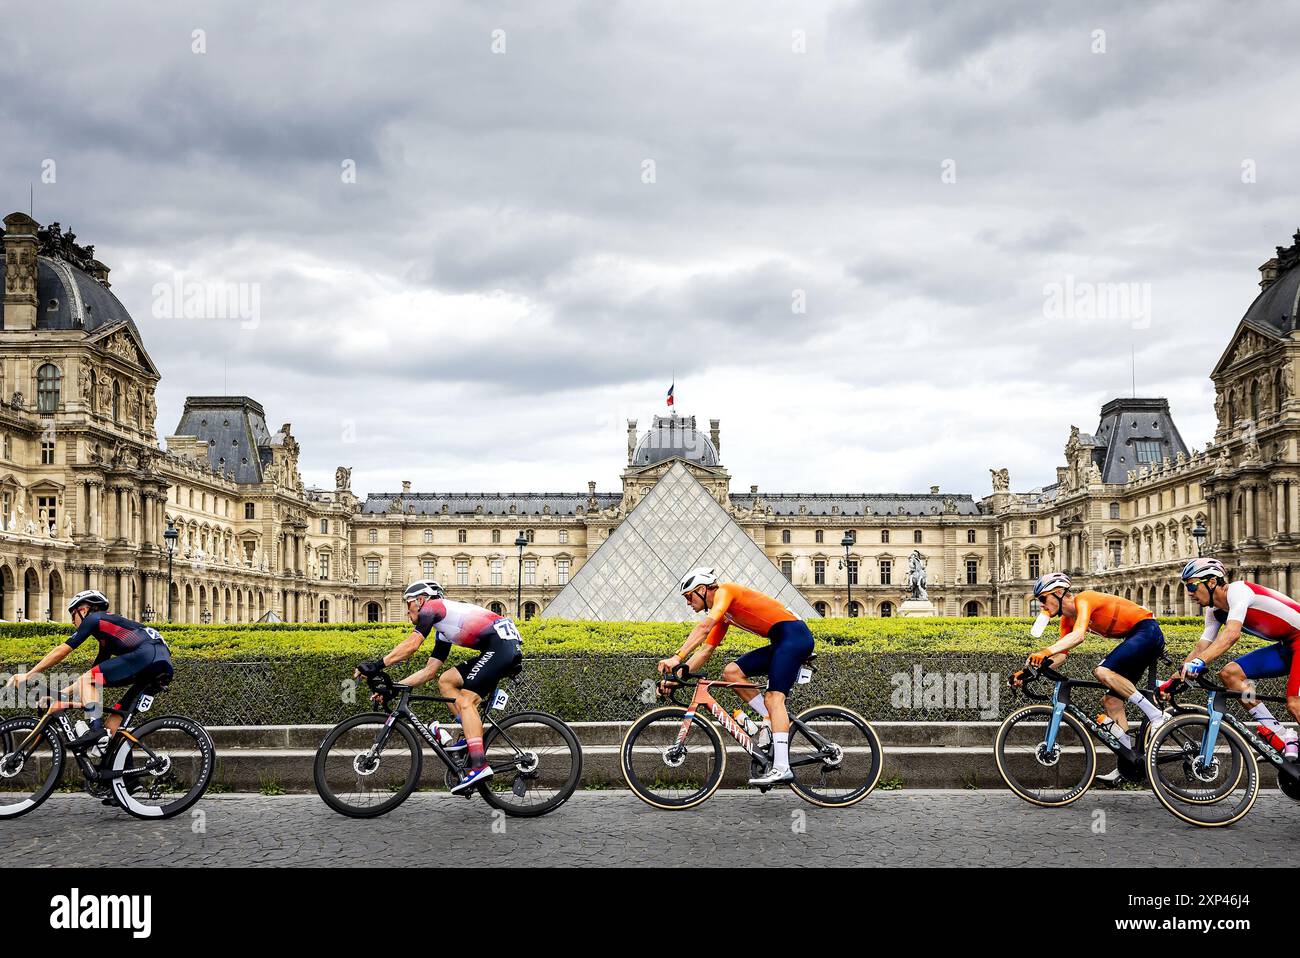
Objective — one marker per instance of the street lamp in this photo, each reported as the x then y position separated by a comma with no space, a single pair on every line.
519,579
848,572
171,535
1199,533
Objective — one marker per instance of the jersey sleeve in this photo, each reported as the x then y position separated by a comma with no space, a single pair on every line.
721,603
716,634
1211,625
87,629
1239,597
430,615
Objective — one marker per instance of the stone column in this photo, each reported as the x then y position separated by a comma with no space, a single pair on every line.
1279,508
1250,512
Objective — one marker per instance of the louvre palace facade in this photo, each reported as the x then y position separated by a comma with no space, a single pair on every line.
89,490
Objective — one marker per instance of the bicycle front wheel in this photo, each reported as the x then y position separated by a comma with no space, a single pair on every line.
536,764
669,773
835,755
166,769
366,768
27,774
1049,778
1210,793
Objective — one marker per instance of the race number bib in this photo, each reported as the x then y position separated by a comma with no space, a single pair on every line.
506,629
500,699
145,703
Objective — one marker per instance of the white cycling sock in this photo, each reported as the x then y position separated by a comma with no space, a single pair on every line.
758,705
780,749
1265,718
1146,705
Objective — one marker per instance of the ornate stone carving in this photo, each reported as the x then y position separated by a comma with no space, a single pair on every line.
1001,479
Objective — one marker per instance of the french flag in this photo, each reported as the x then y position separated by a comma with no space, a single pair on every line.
670,393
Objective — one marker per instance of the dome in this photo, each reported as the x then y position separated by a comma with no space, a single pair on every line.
675,437
1277,307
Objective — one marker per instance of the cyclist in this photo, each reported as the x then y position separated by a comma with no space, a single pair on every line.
494,637
1235,607
1141,642
129,654
790,643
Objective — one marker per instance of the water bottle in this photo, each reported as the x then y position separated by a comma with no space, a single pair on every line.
440,734
81,728
745,722
1271,737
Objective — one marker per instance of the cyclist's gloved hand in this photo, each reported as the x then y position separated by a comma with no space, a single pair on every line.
1165,687
1016,678
1037,658
371,667
1193,668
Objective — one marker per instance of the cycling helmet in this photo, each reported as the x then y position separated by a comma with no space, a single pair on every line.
704,575
97,601
425,587
1203,566
1051,582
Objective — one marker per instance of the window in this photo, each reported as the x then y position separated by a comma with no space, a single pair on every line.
1147,450
47,507
787,569
428,567
820,536
851,535
819,572
462,572
564,536
970,536
886,571
324,567
496,537
324,609
1035,565
972,609
47,453
562,571
1116,547
916,536
372,611
855,610
972,571
428,536
822,609
528,534
495,566
530,572
886,610
853,572
785,537
250,509
497,608
372,573
1033,527
48,379
530,610
373,536
884,536
462,536
8,447
1114,510
324,526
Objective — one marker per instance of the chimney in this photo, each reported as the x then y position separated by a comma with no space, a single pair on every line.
934,490
20,247
715,436
1268,273
99,272
753,490
631,443
591,488
406,486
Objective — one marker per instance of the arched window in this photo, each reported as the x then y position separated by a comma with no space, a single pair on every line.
972,609
821,608
48,380
372,611
324,610
497,607
530,610
886,610
855,610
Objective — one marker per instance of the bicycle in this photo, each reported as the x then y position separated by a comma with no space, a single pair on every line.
672,758
1045,753
156,770
1194,745
369,764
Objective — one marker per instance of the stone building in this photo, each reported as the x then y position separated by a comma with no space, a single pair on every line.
87,492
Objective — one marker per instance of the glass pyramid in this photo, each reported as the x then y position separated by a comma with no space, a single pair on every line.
633,575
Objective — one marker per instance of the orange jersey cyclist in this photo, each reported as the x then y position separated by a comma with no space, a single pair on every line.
494,637
1113,617
726,604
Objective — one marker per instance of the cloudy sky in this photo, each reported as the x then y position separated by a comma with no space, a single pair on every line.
483,235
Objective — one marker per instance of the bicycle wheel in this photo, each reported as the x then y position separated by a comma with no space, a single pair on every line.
358,777
1049,779
1174,756
835,755
166,769
536,764
27,777
666,773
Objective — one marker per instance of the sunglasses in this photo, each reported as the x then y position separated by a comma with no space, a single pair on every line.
1193,584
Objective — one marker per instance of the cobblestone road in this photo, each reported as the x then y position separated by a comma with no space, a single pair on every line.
919,828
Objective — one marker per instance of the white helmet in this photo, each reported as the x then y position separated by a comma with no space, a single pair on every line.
422,588
1051,582
97,601
1203,567
704,575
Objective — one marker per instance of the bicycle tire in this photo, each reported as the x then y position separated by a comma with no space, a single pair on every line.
12,732
640,737
1087,754
350,752
492,791
875,759
1205,814
202,761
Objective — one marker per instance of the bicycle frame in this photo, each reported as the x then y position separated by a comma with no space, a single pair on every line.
64,731
702,697
402,709
1218,716
1061,703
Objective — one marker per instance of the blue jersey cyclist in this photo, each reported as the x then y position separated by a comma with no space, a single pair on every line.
494,637
129,654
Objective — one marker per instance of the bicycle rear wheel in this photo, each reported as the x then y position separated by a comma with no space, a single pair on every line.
666,773
536,764
358,777
1229,782
166,769
835,755
28,777
1046,777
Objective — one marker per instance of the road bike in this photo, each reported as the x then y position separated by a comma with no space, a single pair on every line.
674,758
371,763
1193,751
1045,752
156,769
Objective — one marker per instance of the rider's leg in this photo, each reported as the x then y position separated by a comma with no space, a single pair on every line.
1241,674
449,684
748,693
467,703
780,718
1114,707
